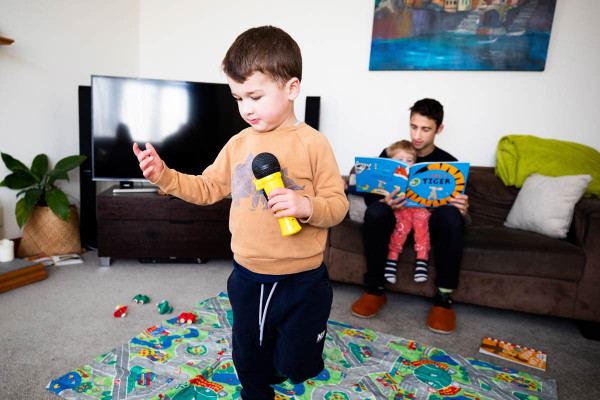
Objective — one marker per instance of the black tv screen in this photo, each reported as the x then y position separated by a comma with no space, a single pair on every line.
187,122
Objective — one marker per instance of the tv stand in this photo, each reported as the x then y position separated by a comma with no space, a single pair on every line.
161,229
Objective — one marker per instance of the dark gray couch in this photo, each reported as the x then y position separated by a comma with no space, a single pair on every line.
501,267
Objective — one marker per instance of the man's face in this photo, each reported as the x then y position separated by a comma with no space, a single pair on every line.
422,133
263,103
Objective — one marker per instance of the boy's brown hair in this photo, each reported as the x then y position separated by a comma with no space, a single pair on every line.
401,145
265,49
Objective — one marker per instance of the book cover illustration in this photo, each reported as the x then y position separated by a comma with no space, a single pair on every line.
426,184
514,352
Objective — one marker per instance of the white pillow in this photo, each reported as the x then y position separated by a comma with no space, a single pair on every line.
357,206
546,204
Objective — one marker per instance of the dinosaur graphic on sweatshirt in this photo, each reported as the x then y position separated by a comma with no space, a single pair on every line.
242,185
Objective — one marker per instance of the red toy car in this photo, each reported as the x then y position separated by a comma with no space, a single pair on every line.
188,317
121,311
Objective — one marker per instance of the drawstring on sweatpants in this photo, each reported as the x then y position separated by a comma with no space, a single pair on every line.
261,316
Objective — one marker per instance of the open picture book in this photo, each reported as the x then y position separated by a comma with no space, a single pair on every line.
426,184
62,259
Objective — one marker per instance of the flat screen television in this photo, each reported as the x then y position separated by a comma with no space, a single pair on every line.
187,122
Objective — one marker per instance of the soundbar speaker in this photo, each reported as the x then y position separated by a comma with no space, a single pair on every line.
312,111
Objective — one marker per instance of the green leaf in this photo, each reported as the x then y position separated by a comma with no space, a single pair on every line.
56,174
19,179
22,212
58,203
69,163
12,163
39,167
32,196
64,166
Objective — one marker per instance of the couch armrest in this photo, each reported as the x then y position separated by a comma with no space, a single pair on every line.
584,210
586,226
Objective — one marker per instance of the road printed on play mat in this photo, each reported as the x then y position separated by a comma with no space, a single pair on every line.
180,361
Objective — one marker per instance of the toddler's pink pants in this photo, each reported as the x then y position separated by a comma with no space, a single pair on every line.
408,218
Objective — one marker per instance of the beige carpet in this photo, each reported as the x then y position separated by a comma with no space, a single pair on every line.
51,326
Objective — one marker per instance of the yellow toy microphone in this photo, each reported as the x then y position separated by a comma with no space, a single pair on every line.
267,171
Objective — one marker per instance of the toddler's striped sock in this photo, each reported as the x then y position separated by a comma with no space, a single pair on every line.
421,273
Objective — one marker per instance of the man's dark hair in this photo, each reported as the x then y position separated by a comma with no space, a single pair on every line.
265,49
429,108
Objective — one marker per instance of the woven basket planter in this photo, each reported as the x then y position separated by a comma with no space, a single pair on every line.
45,233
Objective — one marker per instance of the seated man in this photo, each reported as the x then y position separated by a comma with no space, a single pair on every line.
446,228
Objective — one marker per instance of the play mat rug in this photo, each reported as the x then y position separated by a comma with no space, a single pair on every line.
179,361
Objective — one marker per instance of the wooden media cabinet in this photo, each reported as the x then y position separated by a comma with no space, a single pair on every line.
155,228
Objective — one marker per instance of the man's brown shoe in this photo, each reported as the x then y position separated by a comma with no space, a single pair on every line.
368,305
441,319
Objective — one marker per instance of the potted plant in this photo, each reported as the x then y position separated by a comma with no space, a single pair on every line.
43,209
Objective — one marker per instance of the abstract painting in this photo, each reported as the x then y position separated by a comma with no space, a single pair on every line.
493,35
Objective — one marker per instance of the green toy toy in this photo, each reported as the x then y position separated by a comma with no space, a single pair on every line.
164,307
141,299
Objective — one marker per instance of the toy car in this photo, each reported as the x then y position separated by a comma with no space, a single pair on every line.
190,318
164,307
141,298
121,311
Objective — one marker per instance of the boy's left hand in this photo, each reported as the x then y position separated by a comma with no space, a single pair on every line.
461,202
290,203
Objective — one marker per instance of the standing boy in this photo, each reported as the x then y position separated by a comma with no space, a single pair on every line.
446,228
282,280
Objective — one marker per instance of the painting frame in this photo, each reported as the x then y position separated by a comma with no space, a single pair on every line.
462,35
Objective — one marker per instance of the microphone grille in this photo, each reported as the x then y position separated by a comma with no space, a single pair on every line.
265,164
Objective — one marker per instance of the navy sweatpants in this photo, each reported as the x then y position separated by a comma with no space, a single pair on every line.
294,330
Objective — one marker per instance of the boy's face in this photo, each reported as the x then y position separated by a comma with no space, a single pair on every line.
422,133
405,156
265,104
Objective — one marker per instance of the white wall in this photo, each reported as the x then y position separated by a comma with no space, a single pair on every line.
363,111
58,45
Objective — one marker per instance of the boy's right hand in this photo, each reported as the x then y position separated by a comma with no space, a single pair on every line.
150,163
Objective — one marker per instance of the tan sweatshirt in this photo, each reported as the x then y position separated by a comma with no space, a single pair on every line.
307,166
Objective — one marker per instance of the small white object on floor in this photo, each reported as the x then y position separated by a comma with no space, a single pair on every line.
7,250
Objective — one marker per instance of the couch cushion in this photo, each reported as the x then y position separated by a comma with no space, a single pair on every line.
545,204
489,249
347,236
514,252
489,200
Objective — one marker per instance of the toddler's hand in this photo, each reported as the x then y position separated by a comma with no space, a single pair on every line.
394,202
150,163
290,203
